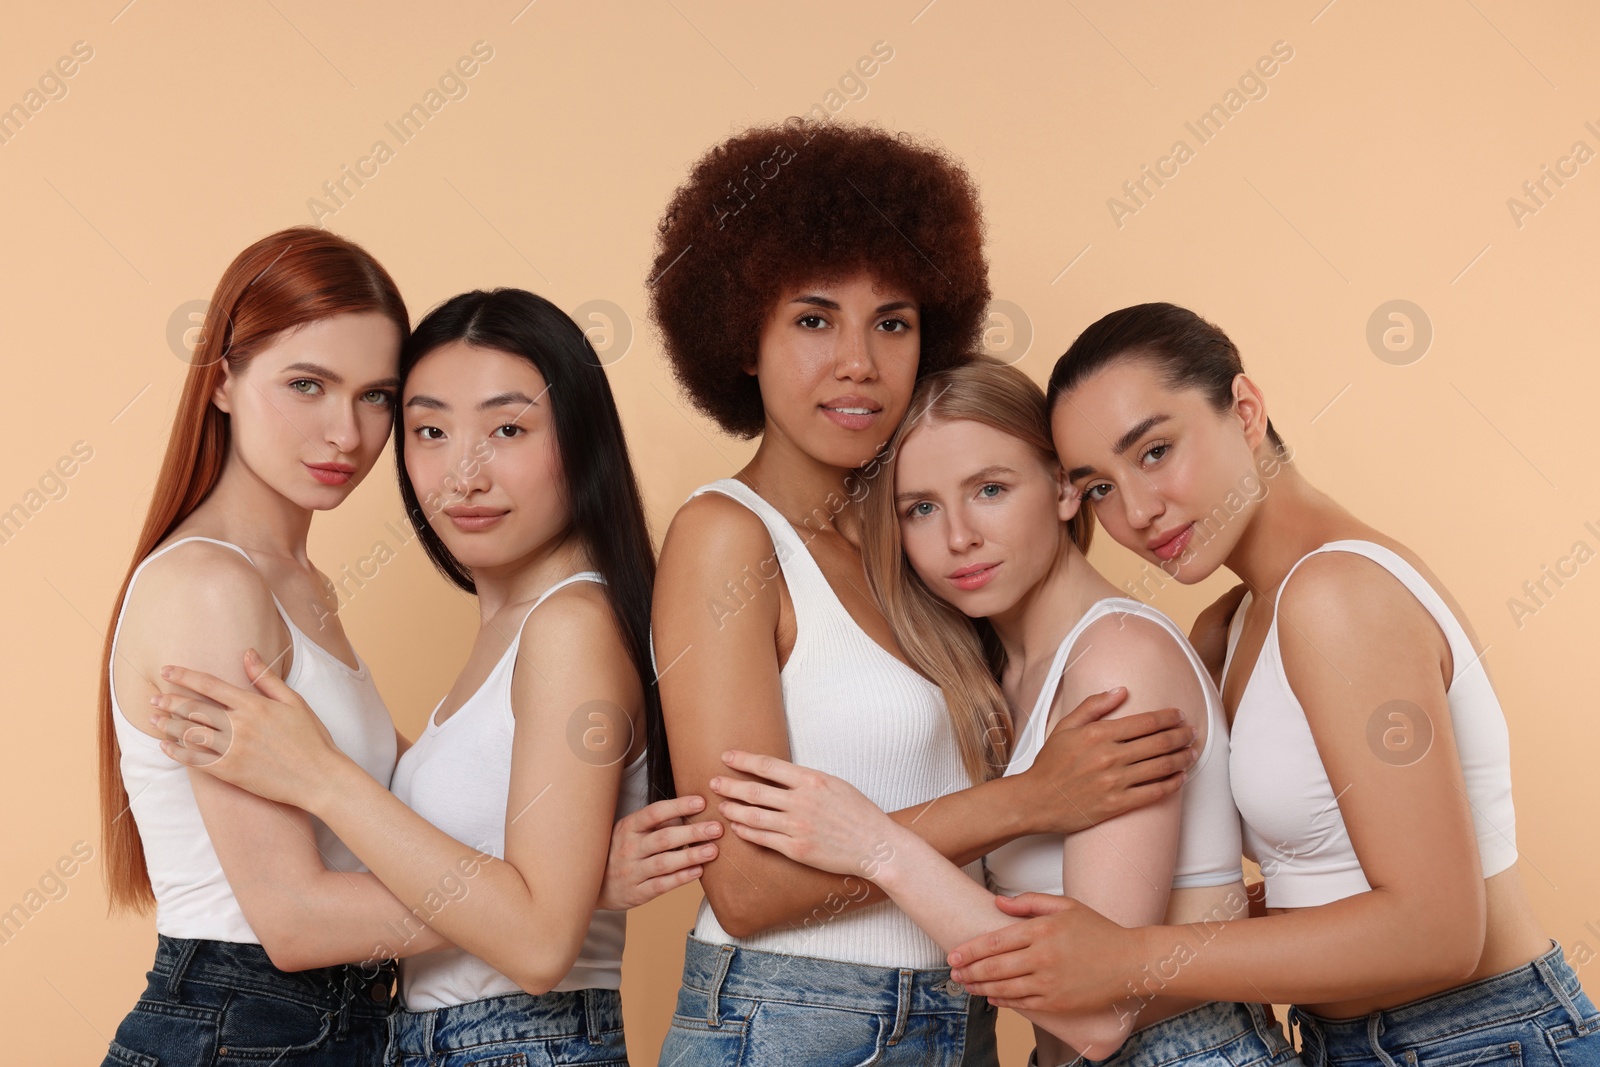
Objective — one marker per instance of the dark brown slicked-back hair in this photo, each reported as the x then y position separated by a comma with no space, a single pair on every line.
807,201
286,280
1189,352
962,656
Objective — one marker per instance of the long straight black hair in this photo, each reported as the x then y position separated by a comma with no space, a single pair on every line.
607,513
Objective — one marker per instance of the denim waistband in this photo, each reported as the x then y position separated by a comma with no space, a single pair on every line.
594,1014
732,971
365,990
1195,1030
1519,993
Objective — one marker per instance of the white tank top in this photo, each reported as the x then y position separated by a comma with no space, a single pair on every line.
457,776
1292,823
855,711
193,898
1208,841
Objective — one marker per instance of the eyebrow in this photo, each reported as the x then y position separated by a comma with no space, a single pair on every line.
833,305
499,400
337,379
1125,442
987,474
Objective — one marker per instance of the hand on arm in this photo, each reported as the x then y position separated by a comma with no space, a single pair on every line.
211,604
523,915
1353,639
720,690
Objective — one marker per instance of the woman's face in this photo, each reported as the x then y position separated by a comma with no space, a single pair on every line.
309,414
836,363
980,514
482,454
1168,477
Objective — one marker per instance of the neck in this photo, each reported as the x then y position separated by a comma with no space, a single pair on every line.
1292,519
1034,626
247,511
522,580
805,490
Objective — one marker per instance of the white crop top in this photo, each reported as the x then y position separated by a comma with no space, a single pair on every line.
193,898
1292,824
855,711
457,776
1208,841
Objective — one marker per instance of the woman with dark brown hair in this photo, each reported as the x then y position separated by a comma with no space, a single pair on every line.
806,276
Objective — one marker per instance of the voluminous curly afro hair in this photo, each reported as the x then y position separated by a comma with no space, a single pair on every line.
783,205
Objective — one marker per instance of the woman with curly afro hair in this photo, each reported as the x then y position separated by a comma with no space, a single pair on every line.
806,276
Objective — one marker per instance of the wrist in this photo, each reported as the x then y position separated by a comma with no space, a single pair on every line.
1020,807
333,774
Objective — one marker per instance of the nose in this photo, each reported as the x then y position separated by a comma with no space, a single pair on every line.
469,470
852,359
961,532
1141,502
343,431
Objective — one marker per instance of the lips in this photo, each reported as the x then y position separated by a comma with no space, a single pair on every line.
973,576
1171,544
852,412
331,473
472,519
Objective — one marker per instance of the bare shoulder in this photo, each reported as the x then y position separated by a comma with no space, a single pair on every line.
200,605
200,584
1124,648
575,625
712,530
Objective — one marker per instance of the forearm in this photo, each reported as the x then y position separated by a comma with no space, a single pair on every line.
951,908
346,917
771,891
1364,945
470,898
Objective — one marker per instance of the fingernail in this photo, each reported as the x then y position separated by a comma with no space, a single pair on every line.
716,783
714,829
726,756
155,720
1194,732
166,672
156,699
697,801
706,853
251,653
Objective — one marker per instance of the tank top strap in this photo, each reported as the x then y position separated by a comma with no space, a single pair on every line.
808,586
510,654
1462,654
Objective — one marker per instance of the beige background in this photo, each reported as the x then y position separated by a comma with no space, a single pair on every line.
1377,166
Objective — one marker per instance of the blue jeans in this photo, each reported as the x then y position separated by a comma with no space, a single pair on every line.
583,1026
223,1002
1532,1016
739,1008
1218,1034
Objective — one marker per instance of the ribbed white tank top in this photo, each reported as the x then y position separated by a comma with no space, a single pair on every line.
457,776
1208,841
193,898
1292,823
854,711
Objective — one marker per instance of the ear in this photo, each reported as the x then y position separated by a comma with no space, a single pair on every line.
221,396
1068,496
1250,407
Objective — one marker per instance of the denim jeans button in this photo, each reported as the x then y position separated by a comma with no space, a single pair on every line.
954,988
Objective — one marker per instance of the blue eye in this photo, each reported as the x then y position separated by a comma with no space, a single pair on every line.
913,513
996,486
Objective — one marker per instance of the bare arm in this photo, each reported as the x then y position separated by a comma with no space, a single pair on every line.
1353,640
204,604
1122,866
720,690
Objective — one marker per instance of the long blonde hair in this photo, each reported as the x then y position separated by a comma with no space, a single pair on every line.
960,655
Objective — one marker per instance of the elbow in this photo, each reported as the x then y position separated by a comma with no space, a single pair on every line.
1101,1037
286,951
1455,939
733,913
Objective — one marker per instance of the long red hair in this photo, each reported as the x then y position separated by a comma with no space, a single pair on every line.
288,279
